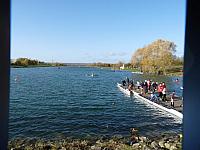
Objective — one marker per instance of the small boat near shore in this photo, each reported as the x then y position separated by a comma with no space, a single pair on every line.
137,95
137,72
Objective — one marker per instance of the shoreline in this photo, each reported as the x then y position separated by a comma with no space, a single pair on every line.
33,66
165,141
178,74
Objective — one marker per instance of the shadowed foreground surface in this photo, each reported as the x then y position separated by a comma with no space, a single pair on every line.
165,142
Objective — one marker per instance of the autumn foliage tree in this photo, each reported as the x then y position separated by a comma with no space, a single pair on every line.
155,57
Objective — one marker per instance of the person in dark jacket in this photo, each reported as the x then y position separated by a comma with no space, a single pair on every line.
131,85
127,81
154,86
123,82
145,87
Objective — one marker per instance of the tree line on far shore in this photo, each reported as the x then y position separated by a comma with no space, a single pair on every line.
25,62
116,65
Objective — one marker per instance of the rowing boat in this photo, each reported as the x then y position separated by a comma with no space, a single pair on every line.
136,95
138,72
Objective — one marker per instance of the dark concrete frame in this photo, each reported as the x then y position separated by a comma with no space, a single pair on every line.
4,70
191,80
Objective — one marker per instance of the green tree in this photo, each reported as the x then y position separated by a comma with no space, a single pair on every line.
25,62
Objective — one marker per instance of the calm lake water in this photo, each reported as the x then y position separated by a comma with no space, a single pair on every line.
51,102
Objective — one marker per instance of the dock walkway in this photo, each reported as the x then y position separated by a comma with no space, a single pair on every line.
178,103
163,105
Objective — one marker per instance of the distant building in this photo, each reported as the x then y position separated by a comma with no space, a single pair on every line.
122,67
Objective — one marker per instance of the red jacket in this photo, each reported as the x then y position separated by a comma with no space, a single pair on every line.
160,88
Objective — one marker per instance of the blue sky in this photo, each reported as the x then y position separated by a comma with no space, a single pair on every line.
93,30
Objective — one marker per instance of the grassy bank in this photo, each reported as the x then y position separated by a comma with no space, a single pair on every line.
172,71
179,74
132,69
175,71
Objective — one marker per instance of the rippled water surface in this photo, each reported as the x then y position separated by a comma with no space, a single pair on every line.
50,102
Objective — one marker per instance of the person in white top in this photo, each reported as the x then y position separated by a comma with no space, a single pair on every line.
138,84
172,98
164,98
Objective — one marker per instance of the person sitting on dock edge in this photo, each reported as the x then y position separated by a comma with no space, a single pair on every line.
153,97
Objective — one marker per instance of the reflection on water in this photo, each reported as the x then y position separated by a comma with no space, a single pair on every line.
50,102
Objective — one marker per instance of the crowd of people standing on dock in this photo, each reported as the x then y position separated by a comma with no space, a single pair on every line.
128,83
150,87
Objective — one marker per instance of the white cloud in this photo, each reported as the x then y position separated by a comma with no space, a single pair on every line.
106,57
116,54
